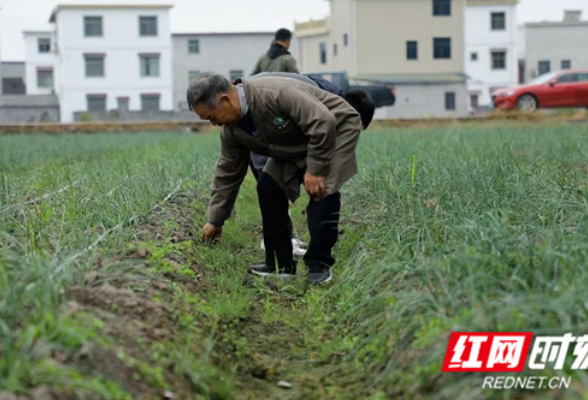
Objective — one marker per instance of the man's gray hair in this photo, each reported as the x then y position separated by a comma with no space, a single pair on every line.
206,89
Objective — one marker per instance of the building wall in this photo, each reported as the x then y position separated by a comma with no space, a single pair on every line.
402,21
122,45
482,40
343,23
220,53
36,60
309,53
28,108
556,42
426,101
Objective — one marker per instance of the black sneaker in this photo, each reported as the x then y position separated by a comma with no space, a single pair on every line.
318,276
267,270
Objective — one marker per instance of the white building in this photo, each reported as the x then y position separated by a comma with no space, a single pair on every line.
112,57
556,45
231,54
40,62
491,48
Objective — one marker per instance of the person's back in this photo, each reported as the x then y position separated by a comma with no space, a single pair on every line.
277,58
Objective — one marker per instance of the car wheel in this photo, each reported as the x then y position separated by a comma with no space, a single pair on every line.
527,103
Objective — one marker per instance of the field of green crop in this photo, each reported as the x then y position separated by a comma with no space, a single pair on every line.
106,291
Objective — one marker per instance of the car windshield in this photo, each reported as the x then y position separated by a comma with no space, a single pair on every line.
543,78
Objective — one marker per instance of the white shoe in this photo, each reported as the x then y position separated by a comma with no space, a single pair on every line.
298,247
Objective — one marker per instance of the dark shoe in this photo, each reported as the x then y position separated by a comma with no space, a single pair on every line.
318,276
267,270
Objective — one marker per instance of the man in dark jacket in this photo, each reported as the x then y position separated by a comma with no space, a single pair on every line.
277,58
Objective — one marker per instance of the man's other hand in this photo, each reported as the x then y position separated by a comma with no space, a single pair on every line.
211,234
314,185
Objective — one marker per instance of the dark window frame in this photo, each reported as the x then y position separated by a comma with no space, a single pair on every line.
323,52
543,63
442,48
145,25
94,57
101,97
194,49
145,98
566,64
493,60
441,8
345,39
90,23
42,70
450,101
412,50
44,47
144,60
474,56
498,21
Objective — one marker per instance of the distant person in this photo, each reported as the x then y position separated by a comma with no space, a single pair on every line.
277,58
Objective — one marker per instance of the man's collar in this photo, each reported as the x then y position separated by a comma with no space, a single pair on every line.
242,100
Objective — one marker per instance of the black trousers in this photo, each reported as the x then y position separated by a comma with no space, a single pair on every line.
257,173
323,225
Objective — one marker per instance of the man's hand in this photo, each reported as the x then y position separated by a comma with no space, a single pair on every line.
314,185
211,234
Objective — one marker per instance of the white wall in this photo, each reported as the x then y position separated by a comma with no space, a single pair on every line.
35,60
426,101
219,53
122,45
481,39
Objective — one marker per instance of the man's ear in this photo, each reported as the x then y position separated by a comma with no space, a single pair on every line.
224,98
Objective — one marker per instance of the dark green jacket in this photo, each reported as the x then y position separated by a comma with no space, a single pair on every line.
277,59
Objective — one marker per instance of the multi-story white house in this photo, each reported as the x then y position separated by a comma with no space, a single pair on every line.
415,45
231,54
40,62
491,48
112,57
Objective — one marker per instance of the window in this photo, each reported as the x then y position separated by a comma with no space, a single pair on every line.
566,64
498,21
441,7
44,45
450,100
323,50
92,26
412,50
94,65
474,56
45,78
544,67
194,46
149,65
192,75
148,26
568,78
149,102
235,74
345,39
499,59
335,50
475,101
96,102
442,48
582,77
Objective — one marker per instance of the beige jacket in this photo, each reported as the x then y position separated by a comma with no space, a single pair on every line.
301,128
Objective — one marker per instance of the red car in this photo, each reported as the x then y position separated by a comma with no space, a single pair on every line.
568,88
